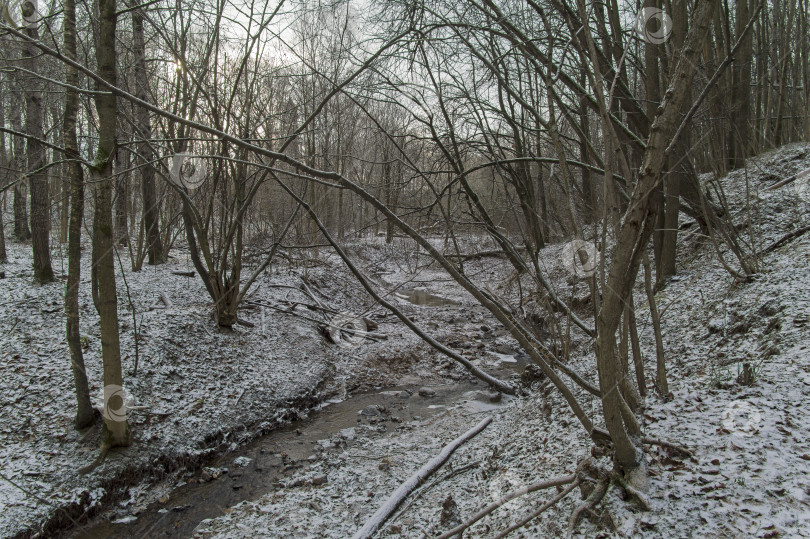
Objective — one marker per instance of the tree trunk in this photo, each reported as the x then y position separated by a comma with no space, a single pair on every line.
143,130
3,255
740,133
21,230
116,428
121,198
668,219
64,204
632,241
38,177
6,176
85,413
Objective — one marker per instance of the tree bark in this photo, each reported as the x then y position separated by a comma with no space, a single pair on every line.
740,133
116,428
6,176
143,130
668,217
3,254
85,413
121,198
21,230
632,240
38,177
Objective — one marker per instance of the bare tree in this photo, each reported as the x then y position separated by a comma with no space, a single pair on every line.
116,427
85,413
37,173
143,131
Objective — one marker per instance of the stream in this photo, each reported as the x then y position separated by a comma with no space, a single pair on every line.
282,454
259,467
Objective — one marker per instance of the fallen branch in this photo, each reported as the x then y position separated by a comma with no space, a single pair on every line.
564,480
162,298
321,325
601,435
534,514
245,323
183,273
785,240
784,182
497,253
432,484
405,489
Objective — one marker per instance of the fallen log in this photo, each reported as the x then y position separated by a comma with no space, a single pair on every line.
496,253
162,298
183,273
785,240
405,489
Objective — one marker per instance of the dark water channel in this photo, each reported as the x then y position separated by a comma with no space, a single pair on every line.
281,455
259,467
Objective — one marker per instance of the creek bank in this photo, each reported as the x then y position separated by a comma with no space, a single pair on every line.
283,459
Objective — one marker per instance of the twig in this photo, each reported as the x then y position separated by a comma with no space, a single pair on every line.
558,481
245,323
675,447
536,513
387,509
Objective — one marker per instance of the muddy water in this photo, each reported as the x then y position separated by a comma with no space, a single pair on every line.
279,456
282,455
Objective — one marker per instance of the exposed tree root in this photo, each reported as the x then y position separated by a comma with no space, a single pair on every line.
628,483
591,501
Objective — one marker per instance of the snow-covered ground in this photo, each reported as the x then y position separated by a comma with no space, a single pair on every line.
750,471
207,392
